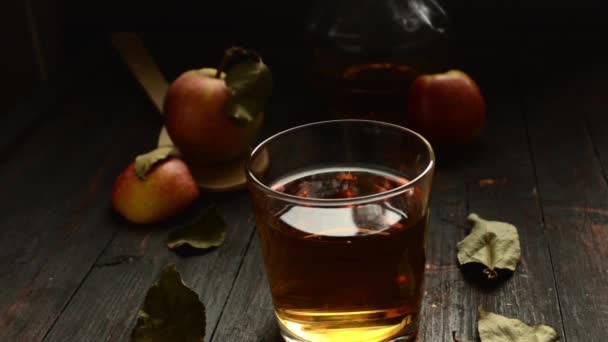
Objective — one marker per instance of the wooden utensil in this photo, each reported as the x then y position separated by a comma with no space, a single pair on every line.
225,177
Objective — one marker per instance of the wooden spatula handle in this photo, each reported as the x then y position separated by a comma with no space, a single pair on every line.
142,66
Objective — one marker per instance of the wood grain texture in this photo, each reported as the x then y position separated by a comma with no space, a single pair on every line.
106,304
55,201
105,307
565,116
494,179
249,313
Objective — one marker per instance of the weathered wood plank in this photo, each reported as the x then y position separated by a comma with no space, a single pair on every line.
249,313
136,257
496,180
55,189
572,187
105,307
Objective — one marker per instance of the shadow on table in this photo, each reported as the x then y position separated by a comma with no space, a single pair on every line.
449,156
189,216
477,275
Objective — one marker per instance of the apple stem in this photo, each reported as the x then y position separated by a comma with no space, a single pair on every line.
236,55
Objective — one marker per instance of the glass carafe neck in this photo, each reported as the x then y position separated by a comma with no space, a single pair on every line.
373,26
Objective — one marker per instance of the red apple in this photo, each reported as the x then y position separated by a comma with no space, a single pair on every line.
195,120
446,108
167,190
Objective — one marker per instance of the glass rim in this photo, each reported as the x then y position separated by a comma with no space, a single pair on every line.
337,201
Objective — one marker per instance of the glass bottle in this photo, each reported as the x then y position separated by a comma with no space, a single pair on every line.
366,53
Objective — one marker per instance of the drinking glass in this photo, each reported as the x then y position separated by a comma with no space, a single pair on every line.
342,212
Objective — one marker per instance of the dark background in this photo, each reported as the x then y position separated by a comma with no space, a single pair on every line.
45,38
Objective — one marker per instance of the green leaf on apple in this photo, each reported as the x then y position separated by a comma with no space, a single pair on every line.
145,162
251,85
491,243
171,312
209,231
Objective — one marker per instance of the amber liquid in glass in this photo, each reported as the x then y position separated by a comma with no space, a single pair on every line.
347,273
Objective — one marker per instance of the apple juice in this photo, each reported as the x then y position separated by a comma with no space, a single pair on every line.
346,272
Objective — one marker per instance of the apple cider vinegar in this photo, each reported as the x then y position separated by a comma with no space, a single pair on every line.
346,273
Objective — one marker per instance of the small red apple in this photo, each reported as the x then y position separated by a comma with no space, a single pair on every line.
195,120
167,190
446,108
214,116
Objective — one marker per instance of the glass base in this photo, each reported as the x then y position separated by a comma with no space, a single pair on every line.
401,332
398,339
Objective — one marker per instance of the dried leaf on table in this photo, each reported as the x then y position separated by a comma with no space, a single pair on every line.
497,328
493,244
209,231
171,312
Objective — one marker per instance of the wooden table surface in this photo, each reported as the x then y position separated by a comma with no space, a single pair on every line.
72,270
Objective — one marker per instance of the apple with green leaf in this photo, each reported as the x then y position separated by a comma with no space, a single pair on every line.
154,188
214,115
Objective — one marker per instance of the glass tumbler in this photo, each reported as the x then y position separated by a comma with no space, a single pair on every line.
342,212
